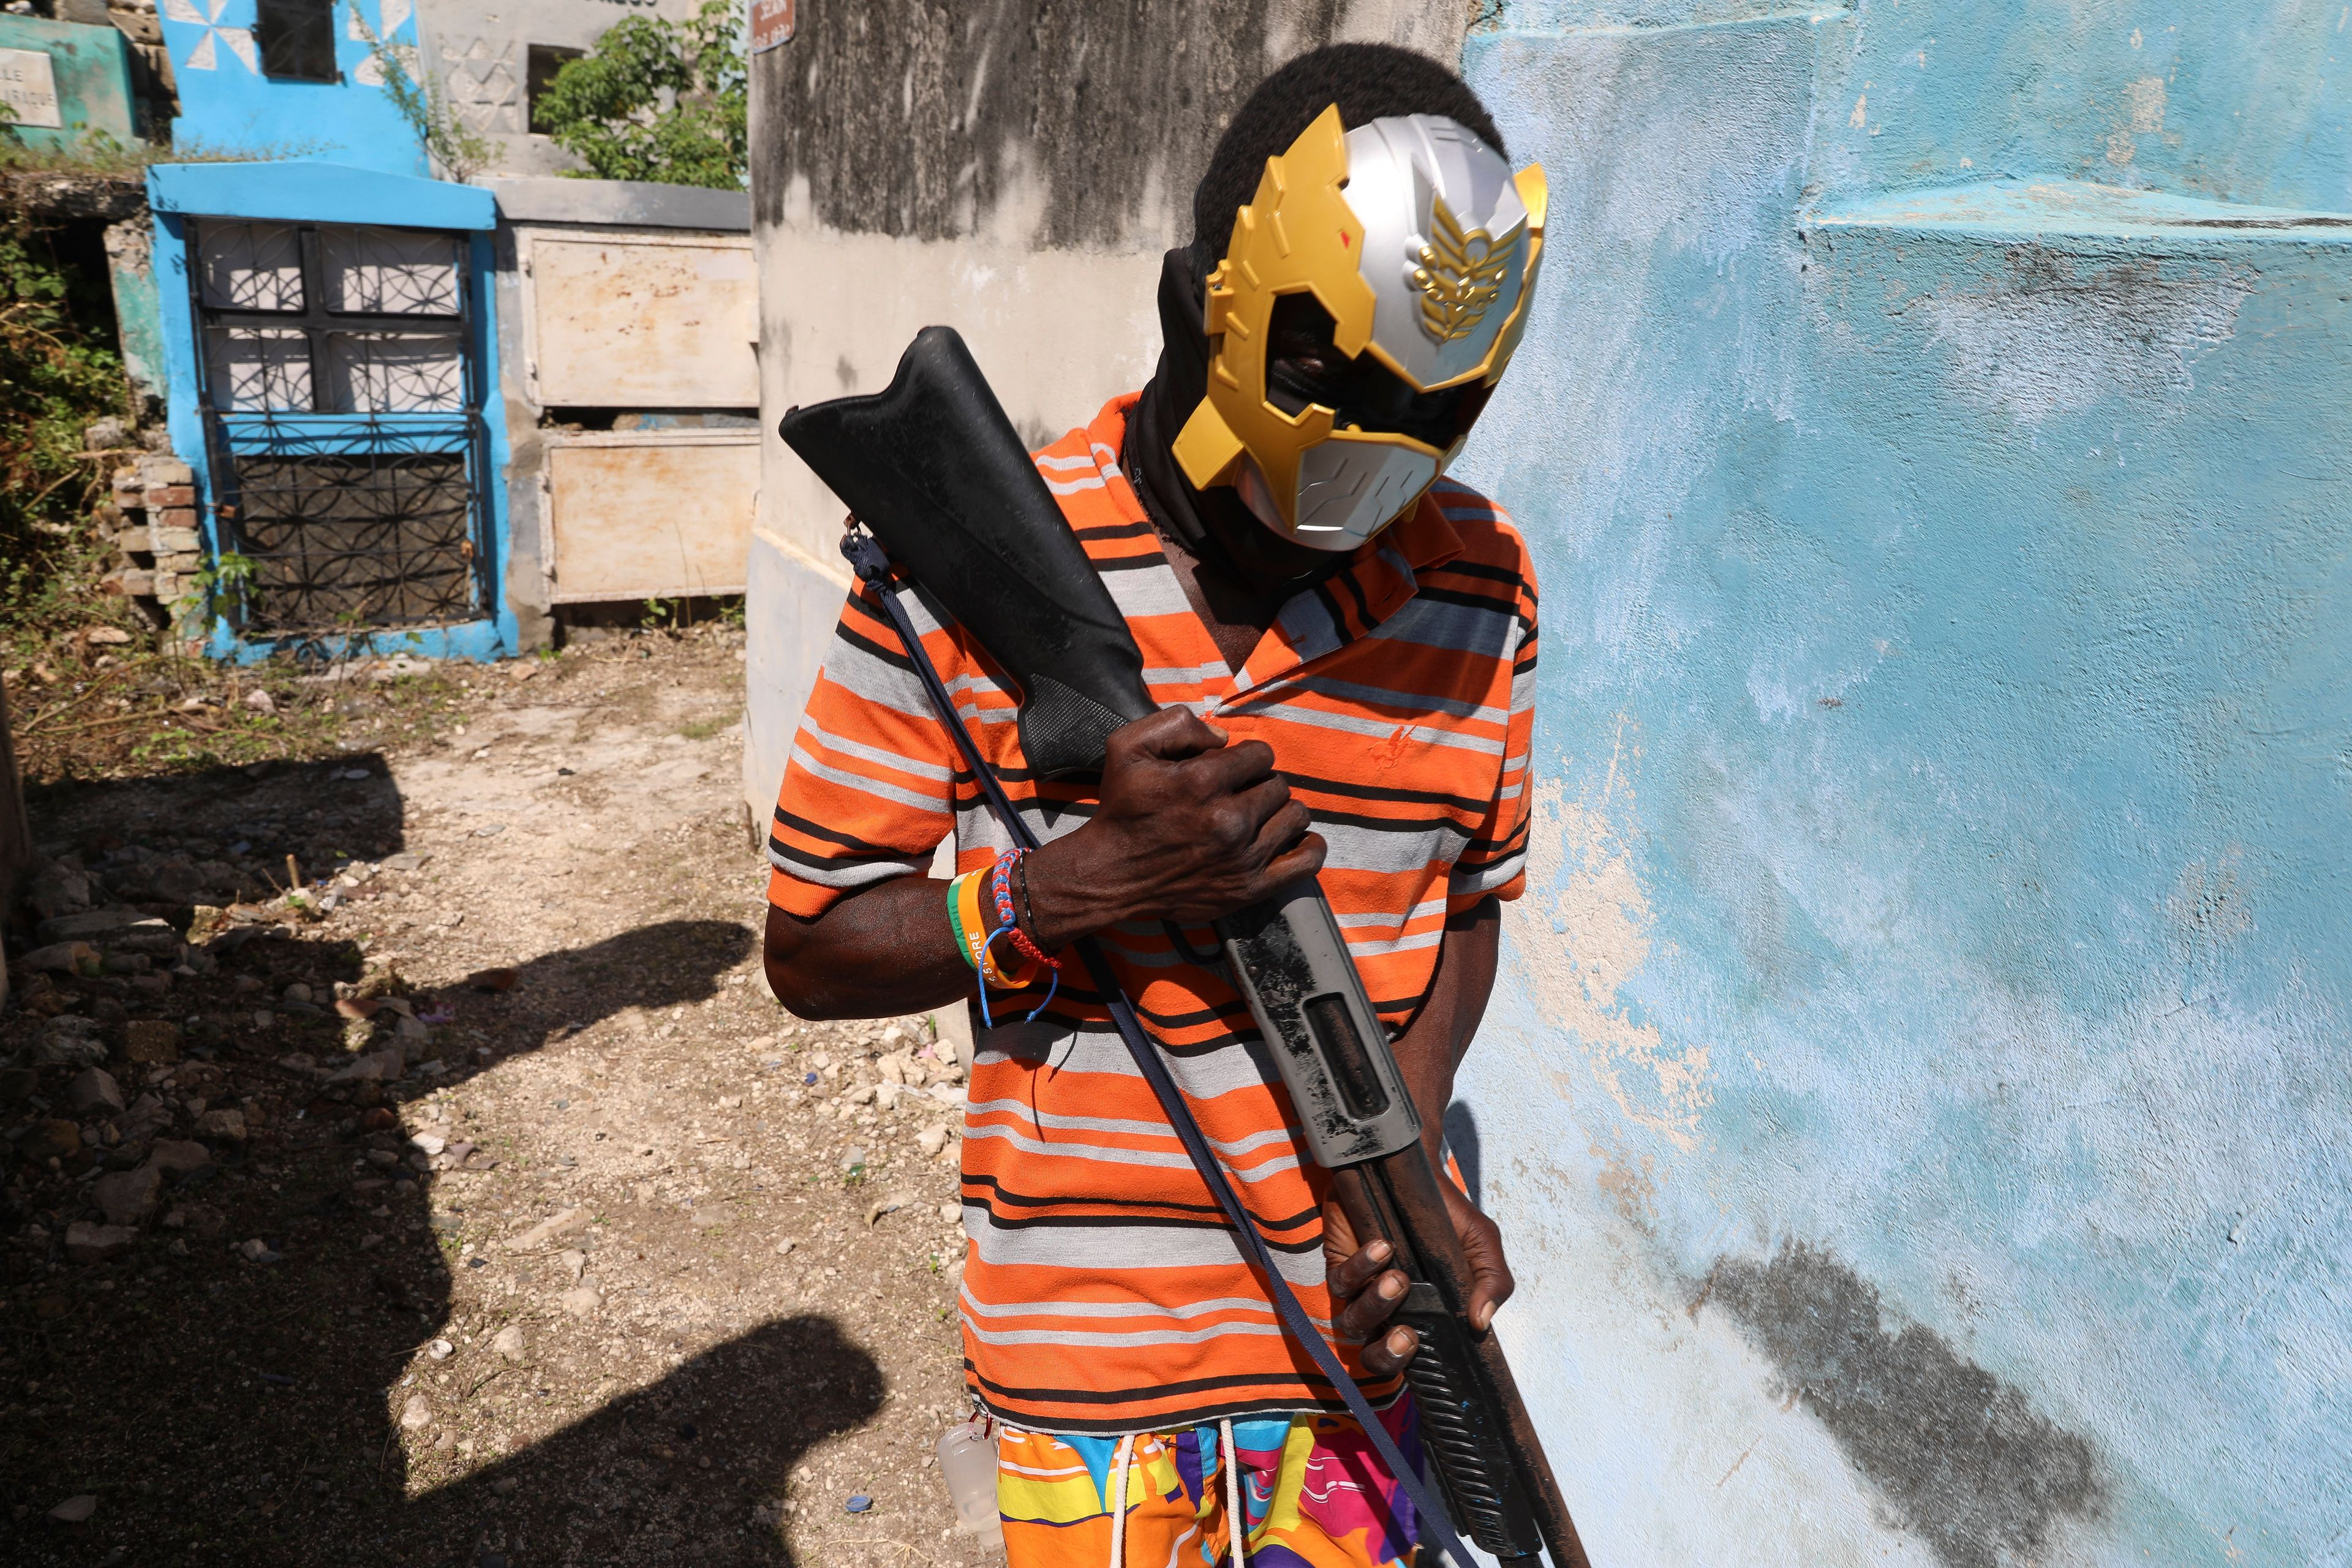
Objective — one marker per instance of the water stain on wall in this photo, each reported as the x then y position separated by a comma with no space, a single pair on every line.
1090,118
2050,338
1962,1459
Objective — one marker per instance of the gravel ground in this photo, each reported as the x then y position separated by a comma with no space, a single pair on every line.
525,1228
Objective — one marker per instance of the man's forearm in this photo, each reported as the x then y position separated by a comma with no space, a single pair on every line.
876,954
1434,1043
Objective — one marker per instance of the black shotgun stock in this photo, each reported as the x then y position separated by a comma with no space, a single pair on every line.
934,469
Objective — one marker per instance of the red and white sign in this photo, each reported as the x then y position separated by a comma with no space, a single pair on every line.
772,23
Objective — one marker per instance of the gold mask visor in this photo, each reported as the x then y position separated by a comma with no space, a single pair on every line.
1423,247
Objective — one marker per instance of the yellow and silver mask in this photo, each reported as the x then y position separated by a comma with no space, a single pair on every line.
1421,247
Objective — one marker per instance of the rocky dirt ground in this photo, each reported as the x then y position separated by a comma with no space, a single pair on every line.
475,1203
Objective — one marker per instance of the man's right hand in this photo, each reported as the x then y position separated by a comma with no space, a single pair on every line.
1190,827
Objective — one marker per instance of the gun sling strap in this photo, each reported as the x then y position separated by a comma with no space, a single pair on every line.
873,566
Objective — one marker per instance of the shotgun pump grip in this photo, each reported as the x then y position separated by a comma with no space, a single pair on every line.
1474,1462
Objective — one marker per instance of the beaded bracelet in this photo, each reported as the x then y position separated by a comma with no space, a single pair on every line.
1001,889
1027,910
1001,886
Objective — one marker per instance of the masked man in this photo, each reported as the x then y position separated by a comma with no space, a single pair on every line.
1344,646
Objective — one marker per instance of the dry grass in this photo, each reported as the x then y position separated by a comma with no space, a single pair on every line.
84,709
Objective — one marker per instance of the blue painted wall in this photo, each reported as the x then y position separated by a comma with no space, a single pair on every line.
1920,1088
226,105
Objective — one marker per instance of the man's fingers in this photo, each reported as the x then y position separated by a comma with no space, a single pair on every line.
1370,1307
1268,802
1389,1354
1172,734
1233,770
1356,1269
1491,1283
1296,864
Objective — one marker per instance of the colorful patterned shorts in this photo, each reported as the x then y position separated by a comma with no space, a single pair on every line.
1314,1490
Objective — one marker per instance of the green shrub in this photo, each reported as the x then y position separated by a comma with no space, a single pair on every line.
657,99
58,372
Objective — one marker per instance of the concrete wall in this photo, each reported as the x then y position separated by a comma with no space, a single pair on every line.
138,311
88,89
482,54
1013,172
1917,1094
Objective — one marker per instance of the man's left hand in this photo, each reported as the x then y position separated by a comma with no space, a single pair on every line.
1367,1290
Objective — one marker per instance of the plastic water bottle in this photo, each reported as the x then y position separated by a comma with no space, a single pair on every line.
968,1465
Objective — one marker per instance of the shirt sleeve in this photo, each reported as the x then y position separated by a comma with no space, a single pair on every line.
869,790
1495,863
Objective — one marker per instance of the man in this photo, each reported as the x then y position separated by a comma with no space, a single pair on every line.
1344,648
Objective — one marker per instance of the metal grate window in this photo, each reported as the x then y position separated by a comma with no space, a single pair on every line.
346,541
314,319
340,401
297,38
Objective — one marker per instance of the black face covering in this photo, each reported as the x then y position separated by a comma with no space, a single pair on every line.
1176,388
1212,525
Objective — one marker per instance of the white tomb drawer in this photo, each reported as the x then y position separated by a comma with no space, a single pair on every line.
625,319
644,514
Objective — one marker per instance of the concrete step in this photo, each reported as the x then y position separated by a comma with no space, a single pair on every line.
2068,214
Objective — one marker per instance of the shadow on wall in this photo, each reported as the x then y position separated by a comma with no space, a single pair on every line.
1961,1457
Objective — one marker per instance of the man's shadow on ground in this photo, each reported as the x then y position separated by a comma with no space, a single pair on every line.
221,1409
688,1466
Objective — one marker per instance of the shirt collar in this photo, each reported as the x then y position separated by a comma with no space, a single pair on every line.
1338,611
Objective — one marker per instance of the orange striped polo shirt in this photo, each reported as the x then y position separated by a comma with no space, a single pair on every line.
1103,1291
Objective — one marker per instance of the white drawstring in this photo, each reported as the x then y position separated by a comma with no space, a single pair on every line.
1236,1522
1118,1462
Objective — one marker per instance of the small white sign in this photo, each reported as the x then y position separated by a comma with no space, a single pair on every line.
29,88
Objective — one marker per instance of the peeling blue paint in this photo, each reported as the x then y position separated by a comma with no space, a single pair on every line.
90,67
1941,875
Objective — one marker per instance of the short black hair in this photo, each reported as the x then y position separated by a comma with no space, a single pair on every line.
1368,81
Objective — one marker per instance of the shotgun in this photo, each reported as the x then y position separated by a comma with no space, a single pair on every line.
934,469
